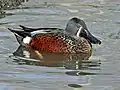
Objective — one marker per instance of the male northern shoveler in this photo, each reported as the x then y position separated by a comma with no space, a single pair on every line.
74,39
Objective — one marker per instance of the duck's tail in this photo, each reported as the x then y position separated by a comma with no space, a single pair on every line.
19,34
28,29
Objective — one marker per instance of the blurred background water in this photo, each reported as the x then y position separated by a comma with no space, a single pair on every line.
58,72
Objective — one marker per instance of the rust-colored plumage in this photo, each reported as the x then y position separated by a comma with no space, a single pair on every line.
58,43
49,43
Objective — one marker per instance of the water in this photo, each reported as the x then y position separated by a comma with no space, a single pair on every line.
62,72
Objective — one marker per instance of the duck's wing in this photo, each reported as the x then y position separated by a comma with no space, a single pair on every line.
27,29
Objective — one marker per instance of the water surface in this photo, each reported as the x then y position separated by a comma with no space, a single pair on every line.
61,72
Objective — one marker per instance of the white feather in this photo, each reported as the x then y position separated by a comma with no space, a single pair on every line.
26,53
27,40
78,32
39,31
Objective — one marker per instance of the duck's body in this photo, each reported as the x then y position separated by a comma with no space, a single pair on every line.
58,41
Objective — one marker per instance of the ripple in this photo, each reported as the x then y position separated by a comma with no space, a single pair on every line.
75,85
2,34
114,35
117,21
24,61
80,73
14,81
37,11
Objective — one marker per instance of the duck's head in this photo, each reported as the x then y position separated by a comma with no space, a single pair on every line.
78,28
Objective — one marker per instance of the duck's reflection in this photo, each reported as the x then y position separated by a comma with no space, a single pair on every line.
69,61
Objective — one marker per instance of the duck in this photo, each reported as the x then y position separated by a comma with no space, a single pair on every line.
74,39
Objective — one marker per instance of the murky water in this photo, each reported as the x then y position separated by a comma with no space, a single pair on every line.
62,72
